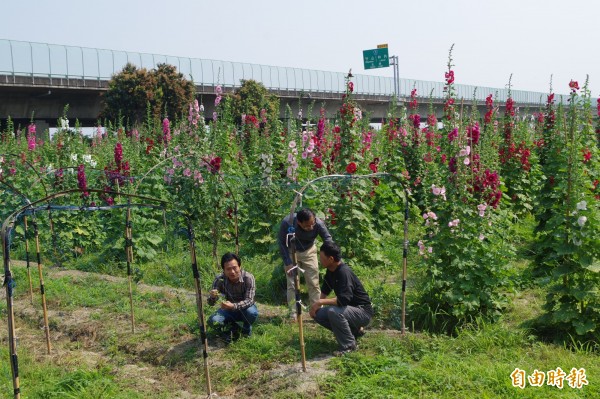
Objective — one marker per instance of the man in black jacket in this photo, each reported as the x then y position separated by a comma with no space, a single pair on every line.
350,310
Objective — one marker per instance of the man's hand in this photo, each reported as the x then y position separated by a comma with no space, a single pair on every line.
226,305
314,308
287,268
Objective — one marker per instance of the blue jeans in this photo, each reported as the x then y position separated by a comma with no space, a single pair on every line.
226,320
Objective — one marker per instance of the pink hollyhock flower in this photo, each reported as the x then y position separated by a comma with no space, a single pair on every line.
465,151
304,155
218,90
481,208
467,161
292,144
350,87
198,177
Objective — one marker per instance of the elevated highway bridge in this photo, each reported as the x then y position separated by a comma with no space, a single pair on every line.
39,79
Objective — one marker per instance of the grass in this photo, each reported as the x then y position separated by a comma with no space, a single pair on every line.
95,354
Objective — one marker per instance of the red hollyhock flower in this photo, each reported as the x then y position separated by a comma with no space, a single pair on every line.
318,163
350,87
351,168
574,85
215,164
587,155
373,167
449,77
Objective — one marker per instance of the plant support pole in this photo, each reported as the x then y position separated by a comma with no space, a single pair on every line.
9,283
201,320
42,290
298,301
27,260
129,255
404,261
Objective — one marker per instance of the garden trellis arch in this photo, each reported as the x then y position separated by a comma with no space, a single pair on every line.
31,208
298,200
6,232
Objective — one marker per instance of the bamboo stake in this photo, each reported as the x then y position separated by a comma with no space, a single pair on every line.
199,306
129,255
298,302
12,340
42,290
27,260
404,261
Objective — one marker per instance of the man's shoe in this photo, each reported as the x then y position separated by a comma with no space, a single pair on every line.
343,352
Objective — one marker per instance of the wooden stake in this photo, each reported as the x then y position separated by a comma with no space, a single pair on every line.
129,255
199,306
12,340
27,260
42,289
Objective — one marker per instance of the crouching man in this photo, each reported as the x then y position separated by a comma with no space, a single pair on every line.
350,310
236,287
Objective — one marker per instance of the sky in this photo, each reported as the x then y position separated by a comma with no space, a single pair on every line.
533,40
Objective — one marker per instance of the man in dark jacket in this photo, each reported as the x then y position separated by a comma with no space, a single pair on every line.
350,310
306,227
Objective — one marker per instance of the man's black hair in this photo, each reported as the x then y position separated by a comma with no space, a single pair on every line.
228,257
331,249
304,215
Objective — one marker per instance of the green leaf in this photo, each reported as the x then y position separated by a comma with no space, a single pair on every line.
584,327
594,267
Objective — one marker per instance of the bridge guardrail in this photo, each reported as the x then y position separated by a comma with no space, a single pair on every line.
88,65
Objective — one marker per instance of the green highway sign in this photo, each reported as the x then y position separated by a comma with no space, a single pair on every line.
376,58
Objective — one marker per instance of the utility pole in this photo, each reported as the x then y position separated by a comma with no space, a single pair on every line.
394,63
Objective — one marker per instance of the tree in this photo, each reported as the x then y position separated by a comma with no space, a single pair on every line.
130,92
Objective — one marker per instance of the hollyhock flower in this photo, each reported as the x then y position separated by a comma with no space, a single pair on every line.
421,247
215,164
118,154
416,121
425,216
466,161
582,206
453,135
81,180
215,116
304,155
351,168
581,221
350,87
432,215
574,86
187,172
452,165
449,77
454,223
218,90
217,100
473,133
465,151
430,249
481,208
587,155
318,163
373,167
292,144
481,237
198,176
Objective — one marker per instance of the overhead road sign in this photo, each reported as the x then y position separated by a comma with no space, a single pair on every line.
376,58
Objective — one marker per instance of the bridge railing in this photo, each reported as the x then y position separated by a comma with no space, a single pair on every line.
52,61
